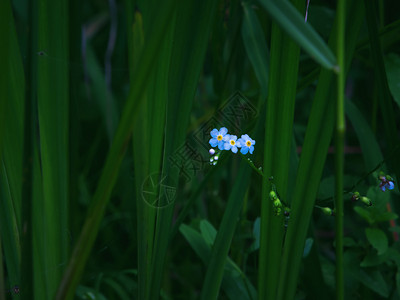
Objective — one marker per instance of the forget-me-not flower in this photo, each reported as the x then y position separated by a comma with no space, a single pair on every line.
386,182
231,143
386,185
218,137
246,144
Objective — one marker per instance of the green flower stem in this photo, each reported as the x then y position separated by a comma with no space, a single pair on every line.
339,150
251,164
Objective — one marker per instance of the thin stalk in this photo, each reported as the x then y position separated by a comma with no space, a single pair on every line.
339,150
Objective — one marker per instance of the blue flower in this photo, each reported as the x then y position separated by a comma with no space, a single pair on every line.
218,138
230,143
387,185
247,144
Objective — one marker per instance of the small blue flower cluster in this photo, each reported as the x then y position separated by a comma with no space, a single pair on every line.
226,141
386,182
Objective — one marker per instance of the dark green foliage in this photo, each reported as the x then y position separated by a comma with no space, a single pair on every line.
106,185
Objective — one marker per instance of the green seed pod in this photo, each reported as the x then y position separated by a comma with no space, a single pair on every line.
327,211
366,201
278,211
272,195
278,203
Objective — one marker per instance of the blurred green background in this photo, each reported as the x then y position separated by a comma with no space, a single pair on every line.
106,185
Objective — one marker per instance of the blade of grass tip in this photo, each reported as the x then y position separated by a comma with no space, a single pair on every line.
11,142
194,21
278,141
292,22
339,148
385,103
53,112
316,143
114,158
220,249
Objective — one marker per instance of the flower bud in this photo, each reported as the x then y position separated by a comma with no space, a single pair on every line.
366,201
272,195
286,212
211,151
327,211
277,203
278,211
356,196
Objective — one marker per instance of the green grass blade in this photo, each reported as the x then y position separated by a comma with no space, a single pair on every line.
148,157
100,92
192,30
234,283
216,263
12,88
114,158
316,143
278,142
292,22
53,112
40,263
256,46
370,147
339,148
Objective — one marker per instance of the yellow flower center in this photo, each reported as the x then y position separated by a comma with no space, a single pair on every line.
248,143
233,143
219,137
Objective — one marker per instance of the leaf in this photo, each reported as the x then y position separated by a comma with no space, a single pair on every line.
370,147
377,239
87,293
375,282
392,67
235,284
256,235
208,232
307,247
364,213
290,20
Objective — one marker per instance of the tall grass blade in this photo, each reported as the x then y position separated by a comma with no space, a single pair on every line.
278,144
317,139
339,148
53,115
148,157
12,89
292,22
369,145
192,30
219,253
114,158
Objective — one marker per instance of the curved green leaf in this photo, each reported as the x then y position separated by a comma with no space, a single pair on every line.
291,21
